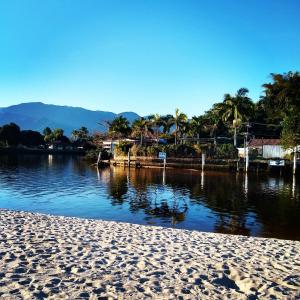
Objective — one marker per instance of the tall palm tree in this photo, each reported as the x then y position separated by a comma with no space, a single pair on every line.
156,123
178,120
81,133
236,109
119,127
141,127
196,126
212,122
167,123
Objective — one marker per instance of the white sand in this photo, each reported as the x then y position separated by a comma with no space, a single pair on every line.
70,258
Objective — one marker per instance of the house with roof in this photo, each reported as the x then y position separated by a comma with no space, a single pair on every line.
268,148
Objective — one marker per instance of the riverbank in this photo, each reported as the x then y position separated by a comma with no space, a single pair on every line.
211,164
69,258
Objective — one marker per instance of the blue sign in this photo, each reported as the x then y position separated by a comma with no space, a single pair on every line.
162,155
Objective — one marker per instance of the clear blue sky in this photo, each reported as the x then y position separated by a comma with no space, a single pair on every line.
145,56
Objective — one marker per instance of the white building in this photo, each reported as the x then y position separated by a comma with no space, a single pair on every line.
268,148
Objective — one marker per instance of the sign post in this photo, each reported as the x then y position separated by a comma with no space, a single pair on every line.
163,155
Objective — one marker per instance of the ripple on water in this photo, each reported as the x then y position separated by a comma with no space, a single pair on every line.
222,202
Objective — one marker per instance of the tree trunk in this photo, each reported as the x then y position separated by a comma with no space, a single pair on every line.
141,139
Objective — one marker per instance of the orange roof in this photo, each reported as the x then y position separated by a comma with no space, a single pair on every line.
261,142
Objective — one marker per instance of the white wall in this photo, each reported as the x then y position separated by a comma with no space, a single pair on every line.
272,151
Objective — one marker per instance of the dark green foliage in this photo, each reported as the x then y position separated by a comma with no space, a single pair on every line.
10,134
122,148
172,150
92,155
31,138
290,135
119,127
226,151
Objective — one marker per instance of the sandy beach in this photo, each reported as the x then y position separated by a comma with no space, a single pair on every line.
53,257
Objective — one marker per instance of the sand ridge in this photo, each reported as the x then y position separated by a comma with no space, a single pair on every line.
50,257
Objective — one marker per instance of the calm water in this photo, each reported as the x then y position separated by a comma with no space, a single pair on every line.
257,205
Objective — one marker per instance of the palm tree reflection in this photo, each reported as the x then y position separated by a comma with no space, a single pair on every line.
141,193
223,202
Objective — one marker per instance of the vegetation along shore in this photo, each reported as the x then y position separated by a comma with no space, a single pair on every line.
233,130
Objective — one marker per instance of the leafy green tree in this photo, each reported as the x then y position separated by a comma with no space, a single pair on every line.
290,135
31,138
10,134
283,94
282,103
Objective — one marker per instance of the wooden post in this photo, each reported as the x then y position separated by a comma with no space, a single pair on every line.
294,186
295,161
128,159
165,162
99,158
203,161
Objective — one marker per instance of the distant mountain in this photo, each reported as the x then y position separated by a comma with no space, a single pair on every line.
37,116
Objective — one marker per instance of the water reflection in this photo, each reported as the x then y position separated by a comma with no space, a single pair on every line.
251,204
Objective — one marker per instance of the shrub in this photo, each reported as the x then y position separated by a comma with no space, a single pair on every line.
122,149
92,155
226,151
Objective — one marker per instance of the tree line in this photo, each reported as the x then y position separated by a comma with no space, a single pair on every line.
12,135
275,115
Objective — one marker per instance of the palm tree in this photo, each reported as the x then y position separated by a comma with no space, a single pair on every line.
141,127
185,130
178,120
156,122
236,109
211,122
81,133
196,126
167,123
119,127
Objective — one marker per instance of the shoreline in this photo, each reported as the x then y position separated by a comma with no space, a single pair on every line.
58,257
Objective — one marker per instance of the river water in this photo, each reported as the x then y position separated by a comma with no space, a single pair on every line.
254,205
